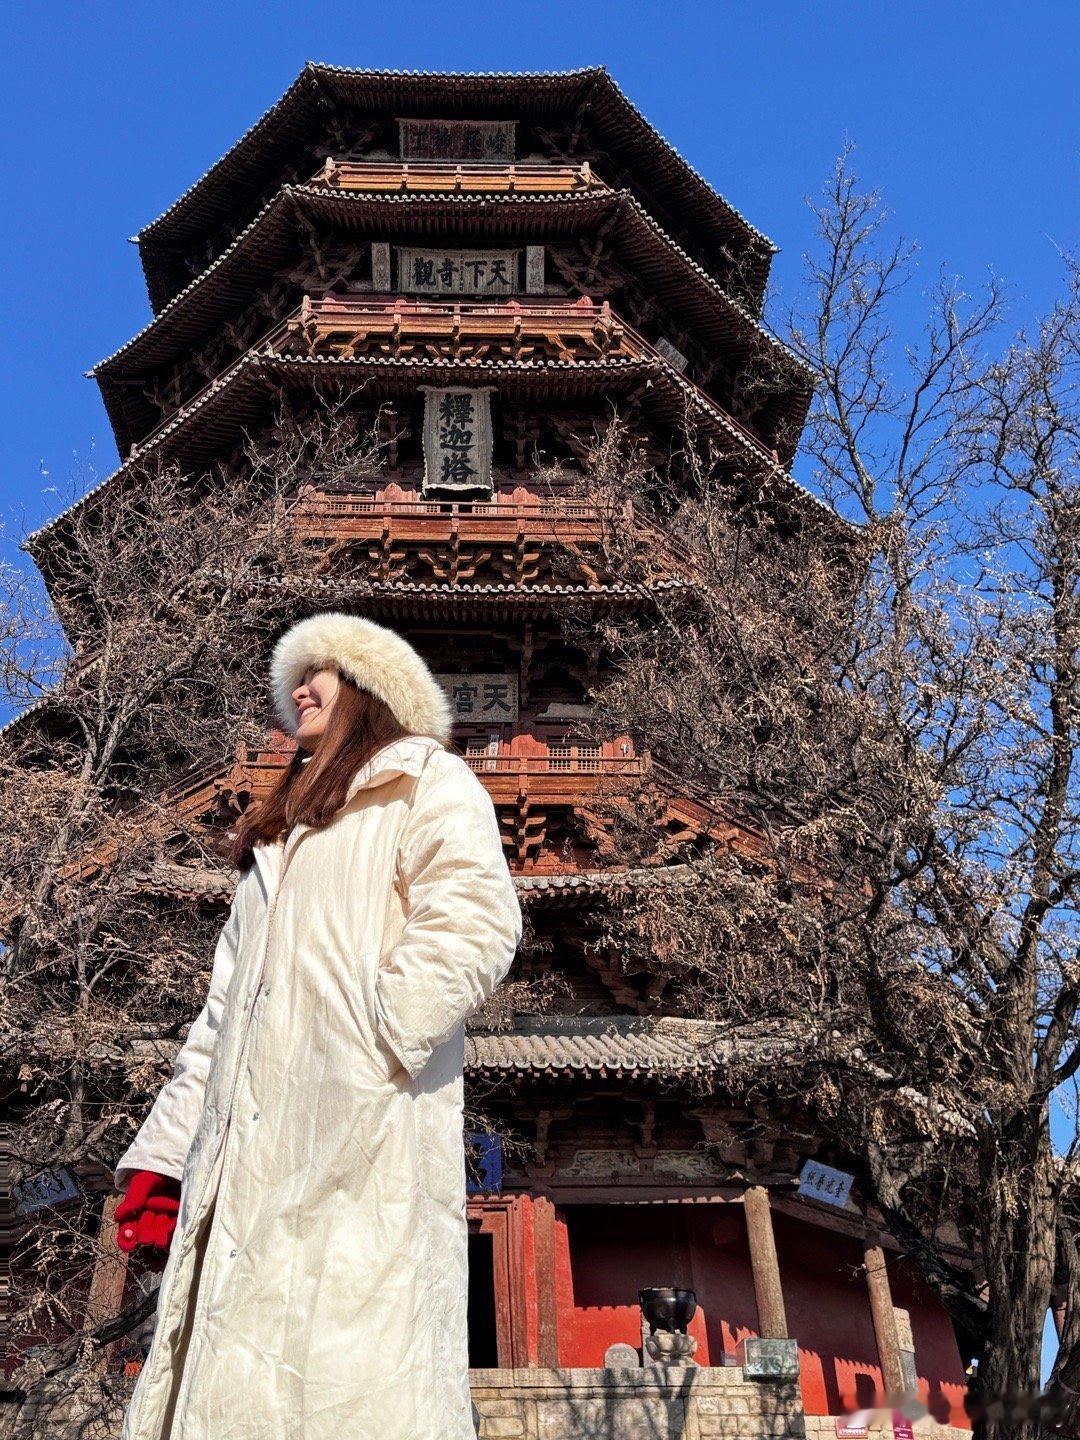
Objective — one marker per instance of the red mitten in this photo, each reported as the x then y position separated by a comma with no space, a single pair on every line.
146,1216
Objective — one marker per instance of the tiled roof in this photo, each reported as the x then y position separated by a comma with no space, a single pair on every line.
177,879
224,398
295,119
260,250
673,1046
260,240
622,1045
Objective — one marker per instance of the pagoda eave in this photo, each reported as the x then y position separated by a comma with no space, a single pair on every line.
681,1050
217,417
264,246
358,326
540,890
297,117
483,603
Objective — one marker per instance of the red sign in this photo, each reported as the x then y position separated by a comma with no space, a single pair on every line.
902,1427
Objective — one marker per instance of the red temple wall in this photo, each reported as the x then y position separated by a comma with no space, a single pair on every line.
606,1253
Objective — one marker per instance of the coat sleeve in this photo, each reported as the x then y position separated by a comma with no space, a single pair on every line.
462,917
164,1138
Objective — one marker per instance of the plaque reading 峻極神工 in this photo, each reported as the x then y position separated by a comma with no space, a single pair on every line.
458,140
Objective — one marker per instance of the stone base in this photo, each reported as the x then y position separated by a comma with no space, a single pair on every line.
823,1427
653,1402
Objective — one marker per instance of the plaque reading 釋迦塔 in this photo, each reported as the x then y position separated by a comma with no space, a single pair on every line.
457,438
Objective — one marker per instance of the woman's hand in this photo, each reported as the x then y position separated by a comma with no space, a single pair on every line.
146,1216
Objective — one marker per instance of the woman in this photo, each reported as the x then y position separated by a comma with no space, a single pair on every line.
316,1283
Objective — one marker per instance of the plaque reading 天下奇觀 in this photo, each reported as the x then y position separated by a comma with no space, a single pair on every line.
423,271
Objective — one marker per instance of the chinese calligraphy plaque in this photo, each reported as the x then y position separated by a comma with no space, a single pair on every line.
458,140
457,272
486,698
457,439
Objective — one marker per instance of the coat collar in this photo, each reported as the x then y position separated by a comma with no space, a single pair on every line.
405,756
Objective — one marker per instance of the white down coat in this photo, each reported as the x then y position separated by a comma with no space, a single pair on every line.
316,1285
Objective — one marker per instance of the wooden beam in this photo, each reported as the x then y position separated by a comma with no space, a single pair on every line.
772,1317
105,1300
884,1316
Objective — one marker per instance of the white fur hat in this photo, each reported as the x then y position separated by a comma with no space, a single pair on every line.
373,657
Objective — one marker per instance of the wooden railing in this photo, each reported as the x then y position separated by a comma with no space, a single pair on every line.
456,177
501,520
555,764
511,328
461,511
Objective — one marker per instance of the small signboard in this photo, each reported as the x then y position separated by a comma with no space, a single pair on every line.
482,697
853,1427
486,1152
902,1427
822,1182
46,1189
764,1359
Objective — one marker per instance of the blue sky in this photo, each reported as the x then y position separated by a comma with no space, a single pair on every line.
961,113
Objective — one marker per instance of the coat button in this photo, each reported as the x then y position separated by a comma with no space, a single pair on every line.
232,1254
255,1115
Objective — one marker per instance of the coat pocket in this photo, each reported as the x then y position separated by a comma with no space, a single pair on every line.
365,968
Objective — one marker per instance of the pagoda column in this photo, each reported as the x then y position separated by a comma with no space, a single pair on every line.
884,1317
547,1311
772,1317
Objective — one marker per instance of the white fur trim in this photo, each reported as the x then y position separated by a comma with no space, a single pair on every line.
374,658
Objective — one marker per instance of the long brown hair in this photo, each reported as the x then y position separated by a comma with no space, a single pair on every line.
311,792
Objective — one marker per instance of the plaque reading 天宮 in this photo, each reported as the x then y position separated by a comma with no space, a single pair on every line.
482,697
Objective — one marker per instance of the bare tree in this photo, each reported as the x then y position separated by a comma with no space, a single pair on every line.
885,712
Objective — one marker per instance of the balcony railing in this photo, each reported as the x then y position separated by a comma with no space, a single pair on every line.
456,177
500,519
554,763
512,329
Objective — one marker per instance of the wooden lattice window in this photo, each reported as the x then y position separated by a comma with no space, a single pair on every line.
481,751
574,755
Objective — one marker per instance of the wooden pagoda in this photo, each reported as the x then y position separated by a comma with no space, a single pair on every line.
495,261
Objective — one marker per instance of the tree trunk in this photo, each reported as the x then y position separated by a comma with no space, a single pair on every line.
1019,1226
